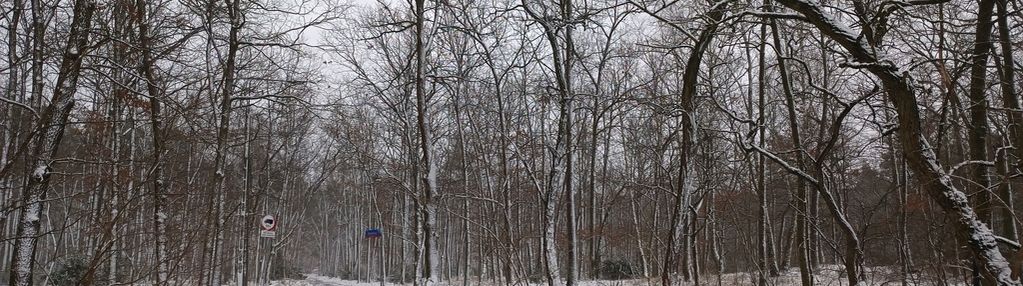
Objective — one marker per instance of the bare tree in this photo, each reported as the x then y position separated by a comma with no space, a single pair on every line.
48,132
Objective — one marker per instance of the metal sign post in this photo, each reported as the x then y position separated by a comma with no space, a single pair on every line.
376,234
268,230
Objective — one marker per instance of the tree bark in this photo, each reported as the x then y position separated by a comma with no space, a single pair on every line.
978,129
919,155
160,277
428,209
223,134
690,77
1010,100
49,130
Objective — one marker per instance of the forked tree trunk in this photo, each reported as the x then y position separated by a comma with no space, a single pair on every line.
558,176
427,207
688,141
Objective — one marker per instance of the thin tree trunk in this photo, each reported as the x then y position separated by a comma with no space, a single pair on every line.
1015,117
765,262
558,176
568,100
804,251
854,251
429,211
156,123
10,116
223,132
688,141
13,86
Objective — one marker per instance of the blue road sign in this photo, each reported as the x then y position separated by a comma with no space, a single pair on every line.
373,233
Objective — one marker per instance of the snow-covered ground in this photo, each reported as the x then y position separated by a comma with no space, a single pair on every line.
316,280
827,275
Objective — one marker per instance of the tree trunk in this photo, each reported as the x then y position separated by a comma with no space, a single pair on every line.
429,210
223,134
802,194
156,123
1015,119
919,156
689,84
49,130
978,127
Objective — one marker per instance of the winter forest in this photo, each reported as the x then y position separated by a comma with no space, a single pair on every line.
511,142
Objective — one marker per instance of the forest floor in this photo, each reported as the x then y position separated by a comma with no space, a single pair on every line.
826,275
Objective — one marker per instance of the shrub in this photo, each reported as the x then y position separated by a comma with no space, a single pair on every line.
281,270
616,270
69,271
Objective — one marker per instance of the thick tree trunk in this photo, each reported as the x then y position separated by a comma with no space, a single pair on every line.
919,155
49,130
978,128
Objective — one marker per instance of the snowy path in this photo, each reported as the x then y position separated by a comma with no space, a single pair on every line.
326,281
316,280
827,275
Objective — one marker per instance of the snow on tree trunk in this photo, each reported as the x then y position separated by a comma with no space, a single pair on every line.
156,124
225,108
558,178
918,152
429,209
49,130
688,141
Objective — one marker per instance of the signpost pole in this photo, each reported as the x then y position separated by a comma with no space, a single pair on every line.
377,235
268,230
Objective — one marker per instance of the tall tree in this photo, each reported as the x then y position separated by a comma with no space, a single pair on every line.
427,208
48,132
920,157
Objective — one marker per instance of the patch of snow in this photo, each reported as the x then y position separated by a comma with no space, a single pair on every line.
824,275
32,212
39,172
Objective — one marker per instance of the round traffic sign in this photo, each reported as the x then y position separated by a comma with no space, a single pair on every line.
268,222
